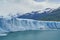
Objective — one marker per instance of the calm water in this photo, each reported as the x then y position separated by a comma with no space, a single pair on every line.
33,35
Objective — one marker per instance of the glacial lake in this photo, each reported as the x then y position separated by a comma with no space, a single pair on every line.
33,35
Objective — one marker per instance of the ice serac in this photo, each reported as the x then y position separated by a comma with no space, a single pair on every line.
29,24
17,24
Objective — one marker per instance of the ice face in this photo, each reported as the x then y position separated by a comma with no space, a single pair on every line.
17,24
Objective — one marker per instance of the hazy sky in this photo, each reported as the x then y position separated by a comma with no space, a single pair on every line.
56,1
48,0
39,0
23,6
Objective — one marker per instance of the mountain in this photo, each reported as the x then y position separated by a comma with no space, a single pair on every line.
48,15
53,16
36,15
39,15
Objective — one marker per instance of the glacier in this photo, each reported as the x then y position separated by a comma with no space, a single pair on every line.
18,24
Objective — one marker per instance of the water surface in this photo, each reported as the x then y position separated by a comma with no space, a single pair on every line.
33,35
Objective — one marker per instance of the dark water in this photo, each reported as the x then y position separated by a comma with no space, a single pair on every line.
33,35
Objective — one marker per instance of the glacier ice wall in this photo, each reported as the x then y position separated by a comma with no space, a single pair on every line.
17,24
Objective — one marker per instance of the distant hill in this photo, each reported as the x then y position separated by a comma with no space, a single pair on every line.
47,15
53,16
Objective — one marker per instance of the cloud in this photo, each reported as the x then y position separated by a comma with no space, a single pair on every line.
54,1
39,0
23,6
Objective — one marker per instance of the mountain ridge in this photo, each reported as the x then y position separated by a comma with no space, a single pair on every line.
48,15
